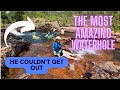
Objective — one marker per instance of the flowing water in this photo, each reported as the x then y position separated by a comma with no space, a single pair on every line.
81,53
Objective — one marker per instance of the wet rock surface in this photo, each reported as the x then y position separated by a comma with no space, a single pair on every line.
103,66
104,70
39,50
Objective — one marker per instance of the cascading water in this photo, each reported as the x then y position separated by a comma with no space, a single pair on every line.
81,53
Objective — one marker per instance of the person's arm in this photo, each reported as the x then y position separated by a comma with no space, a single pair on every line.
54,45
59,46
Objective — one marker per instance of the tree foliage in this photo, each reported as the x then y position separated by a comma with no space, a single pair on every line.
64,17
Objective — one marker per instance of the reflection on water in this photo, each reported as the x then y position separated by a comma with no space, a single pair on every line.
35,37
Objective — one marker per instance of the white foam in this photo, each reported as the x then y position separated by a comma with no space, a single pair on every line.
72,67
81,53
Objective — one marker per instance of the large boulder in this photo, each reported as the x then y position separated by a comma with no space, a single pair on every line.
55,24
18,46
69,29
45,28
39,22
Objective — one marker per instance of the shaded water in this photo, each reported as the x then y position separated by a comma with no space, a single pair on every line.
40,37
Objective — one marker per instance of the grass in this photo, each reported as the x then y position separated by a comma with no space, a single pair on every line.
62,21
116,28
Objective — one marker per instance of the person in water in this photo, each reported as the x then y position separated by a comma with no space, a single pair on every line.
62,31
48,35
55,32
57,46
35,37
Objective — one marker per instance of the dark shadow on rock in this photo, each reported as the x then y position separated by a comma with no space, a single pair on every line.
4,70
116,54
87,75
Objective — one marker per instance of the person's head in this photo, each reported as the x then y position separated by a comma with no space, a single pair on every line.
58,39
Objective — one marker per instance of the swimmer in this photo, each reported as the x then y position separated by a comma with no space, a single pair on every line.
35,37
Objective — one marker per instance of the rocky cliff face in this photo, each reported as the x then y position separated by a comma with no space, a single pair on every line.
18,46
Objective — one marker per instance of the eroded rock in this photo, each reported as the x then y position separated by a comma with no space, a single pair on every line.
105,70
